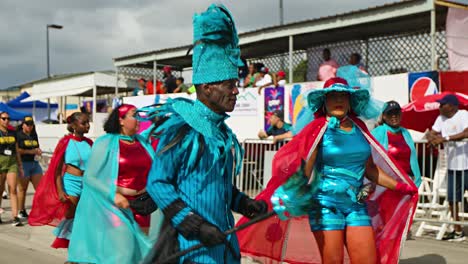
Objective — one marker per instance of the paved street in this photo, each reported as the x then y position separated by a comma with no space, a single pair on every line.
32,245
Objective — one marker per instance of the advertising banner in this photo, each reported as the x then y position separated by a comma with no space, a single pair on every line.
274,101
423,83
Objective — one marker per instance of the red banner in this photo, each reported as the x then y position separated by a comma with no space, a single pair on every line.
454,81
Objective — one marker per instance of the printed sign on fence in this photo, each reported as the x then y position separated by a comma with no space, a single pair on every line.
423,83
246,104
274,101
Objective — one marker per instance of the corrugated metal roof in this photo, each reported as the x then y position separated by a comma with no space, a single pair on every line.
277,27
62,76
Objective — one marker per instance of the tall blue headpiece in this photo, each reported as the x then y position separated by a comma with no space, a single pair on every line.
216,52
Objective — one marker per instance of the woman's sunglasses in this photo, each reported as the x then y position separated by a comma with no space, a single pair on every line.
5,118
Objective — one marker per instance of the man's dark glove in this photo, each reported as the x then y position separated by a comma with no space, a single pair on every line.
252,208
195,227
210,235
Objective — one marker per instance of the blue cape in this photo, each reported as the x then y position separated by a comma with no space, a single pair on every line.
102,232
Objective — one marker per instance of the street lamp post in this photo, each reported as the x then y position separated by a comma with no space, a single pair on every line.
54,26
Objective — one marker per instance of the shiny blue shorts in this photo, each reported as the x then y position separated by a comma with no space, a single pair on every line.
348,213
72,184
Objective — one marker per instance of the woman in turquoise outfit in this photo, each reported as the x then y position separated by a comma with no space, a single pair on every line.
59,190
397,141
339,165
106,229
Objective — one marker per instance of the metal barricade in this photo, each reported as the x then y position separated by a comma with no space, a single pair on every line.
436,164
253,177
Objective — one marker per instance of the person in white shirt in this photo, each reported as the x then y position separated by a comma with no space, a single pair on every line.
265,80
280,80
452,125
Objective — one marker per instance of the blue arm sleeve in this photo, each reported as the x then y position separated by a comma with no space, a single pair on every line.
161,181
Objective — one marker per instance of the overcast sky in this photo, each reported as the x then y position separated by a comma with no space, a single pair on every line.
96,31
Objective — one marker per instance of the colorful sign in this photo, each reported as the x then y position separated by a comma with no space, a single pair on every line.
274,101
423,83
297,101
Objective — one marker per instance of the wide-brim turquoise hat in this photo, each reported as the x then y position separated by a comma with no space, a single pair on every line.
359,98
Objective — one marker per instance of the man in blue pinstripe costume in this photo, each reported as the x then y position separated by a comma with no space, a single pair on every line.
198,154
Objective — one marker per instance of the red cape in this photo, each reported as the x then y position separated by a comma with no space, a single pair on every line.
292,241
47,209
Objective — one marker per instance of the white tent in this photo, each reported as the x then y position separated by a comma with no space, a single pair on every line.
80,84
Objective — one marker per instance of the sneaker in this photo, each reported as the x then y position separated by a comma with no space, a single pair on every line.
23,214
455,236
5,195
17,222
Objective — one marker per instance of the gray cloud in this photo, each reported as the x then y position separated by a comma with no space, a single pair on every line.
96,31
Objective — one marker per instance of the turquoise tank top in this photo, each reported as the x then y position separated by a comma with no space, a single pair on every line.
341,161
77,153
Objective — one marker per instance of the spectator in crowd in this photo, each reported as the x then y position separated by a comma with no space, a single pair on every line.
169,84
328,67
265,79
452,125
279,79
279,129
140,90
181,87
10,164
28,148
149,87
249,80
243,72
397,141
355,60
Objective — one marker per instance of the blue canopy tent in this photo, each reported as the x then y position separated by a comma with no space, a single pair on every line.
14,115
16,103
39,110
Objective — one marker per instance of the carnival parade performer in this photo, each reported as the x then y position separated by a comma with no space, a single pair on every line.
59,191
10,164
336,155
198,154
398,141
28,148
106,230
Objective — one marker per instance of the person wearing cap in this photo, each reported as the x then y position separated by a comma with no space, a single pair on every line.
169,83
279,129
198,155
450,127
279,80
10,164
398,141
333,157
28,148
265,79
